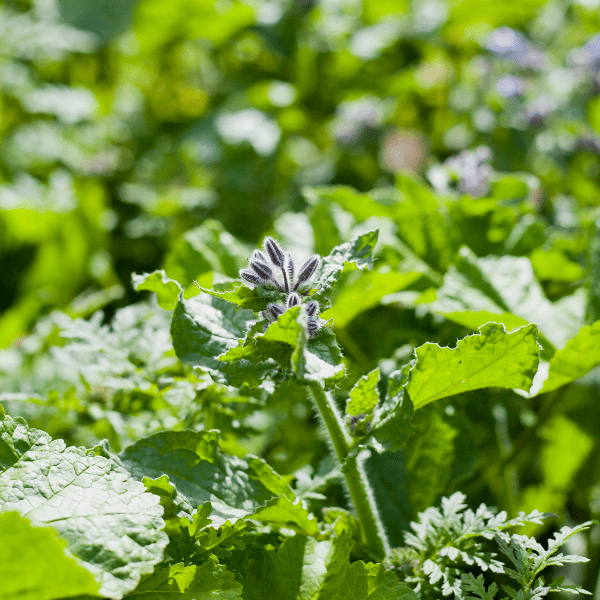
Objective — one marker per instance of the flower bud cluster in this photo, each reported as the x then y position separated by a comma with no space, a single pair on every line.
275,268
359,424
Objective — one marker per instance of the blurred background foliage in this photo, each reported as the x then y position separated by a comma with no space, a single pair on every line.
143,135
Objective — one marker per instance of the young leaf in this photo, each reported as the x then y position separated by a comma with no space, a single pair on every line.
490,358
391,426
282,512
355,254
205,582
201,473
108,520
360,581
364,395
167,290
34,566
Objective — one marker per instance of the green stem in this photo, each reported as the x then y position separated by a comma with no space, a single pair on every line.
371,529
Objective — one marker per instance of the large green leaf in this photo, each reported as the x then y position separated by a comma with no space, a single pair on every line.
205,582
491,358
204,328
578,357
34,566
109,522
504,289
201,473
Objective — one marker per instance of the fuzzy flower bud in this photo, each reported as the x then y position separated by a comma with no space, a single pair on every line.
312,308
248,275
262,269
290,266
308,269
292,300
312,327
258,255
275,310
275,252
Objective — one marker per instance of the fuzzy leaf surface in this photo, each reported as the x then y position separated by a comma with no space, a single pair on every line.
205,328
201,473
107,519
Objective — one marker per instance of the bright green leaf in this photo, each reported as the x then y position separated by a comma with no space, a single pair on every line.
34,565
491,358
281,512
167,290
108,520
364,395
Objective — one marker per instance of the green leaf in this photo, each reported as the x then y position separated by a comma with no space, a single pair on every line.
207,247
205,582
355,254
205,328
578,357
34,566
360,581
366,293
109,522
491,358
477,586
282,512
255,298
167,290
477,290
391,425
364,395
201,473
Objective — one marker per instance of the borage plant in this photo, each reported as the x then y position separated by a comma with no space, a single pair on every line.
176,516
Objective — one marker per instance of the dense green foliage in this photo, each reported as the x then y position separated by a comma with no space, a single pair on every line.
170,429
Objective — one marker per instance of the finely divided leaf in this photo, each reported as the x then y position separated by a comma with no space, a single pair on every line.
205,582
201,473
107,519
34,566
491,358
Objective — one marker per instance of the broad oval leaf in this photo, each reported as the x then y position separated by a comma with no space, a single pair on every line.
109,522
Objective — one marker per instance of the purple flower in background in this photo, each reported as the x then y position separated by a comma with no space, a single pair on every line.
514,46
592,49
510,86
472,171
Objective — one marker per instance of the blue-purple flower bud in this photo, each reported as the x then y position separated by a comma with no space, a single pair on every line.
275,252
248,275
312,327
258,255
292,300
262,269
312,308
275,310
308,269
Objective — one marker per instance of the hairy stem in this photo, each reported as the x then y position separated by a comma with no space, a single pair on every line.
371,528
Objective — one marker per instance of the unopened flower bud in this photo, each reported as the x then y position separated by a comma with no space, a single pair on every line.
262,269
274,251
312,308
308,269
292,300
275,310
312,327
248,275
258,255
289,265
